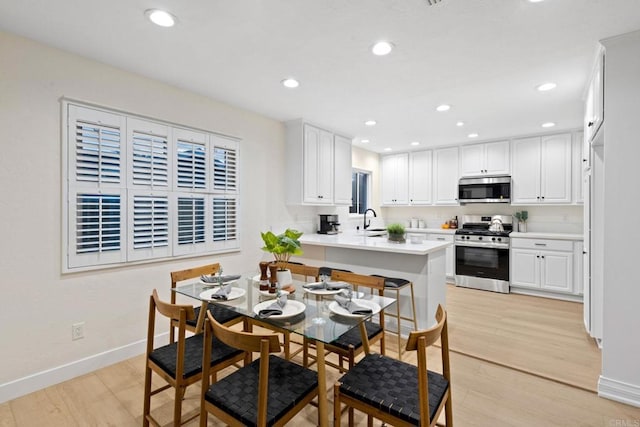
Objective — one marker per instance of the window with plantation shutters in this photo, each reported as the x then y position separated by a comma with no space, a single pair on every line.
138,189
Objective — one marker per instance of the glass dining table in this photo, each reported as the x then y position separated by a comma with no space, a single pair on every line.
313,314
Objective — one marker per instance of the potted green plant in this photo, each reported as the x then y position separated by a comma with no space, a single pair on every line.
282,246
395,233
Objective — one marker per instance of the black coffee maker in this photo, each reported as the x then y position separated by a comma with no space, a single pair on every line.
328,224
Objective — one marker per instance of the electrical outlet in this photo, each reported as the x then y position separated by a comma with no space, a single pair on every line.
77,331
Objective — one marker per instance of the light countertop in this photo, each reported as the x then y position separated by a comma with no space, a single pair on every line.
543,235
431,230
355,240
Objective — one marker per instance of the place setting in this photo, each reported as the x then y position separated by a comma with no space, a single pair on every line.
279,308
325,286
345,305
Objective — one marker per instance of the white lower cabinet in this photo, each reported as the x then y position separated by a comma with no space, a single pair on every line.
449,252
546,265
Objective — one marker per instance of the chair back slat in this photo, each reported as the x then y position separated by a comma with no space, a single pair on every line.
245,341
431,335
304,270
373,282
192,273
172,311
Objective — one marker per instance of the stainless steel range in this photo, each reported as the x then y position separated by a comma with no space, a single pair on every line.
482,252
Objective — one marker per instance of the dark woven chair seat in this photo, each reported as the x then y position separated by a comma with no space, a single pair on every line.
392,386
221,314
237,393
165,356
354,338
393,282
326,271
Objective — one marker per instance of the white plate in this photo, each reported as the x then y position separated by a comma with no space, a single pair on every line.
320,291
336,309
272,294
293,308
234,293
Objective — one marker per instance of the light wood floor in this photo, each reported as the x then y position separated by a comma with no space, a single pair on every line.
484,393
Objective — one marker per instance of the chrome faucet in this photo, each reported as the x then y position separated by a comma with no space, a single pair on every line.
367,224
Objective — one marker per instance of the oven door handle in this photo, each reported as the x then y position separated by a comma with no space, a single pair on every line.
483,245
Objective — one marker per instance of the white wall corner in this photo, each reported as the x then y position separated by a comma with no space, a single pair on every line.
39,380
619,391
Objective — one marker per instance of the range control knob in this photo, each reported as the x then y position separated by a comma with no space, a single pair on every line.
480,238
499,239
493,239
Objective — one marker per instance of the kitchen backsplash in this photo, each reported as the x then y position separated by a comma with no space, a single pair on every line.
551,219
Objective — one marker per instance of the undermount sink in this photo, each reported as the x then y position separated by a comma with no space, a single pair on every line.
375,232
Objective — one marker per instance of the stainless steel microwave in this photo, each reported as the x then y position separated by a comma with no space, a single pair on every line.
485,189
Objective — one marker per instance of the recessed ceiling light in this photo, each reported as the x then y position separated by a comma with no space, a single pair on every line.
546,86
548,125
415,143
535,1
290,83
387,149
443,107
460,124
364,141
370,123
473,135
382,48
160,17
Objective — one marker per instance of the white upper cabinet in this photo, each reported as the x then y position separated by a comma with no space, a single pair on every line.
343,170
317,175
485,159
420,178
395,179
445,176
314,173
541,170
594,111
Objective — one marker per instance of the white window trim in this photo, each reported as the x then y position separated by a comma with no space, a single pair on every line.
127,190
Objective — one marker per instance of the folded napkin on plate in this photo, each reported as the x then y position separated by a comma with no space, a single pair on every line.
351,306
274,309
222,293
217,279
329,286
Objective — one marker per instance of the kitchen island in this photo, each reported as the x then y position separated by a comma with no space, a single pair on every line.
422,263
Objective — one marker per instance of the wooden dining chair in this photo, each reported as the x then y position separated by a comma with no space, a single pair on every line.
223,315
268,391
349,345
180,363
396,392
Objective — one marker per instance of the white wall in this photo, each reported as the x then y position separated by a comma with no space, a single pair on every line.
39,304
621,337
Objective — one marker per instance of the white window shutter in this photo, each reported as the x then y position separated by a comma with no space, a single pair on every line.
190,224
148,145
191,157
224,222
96,229
149,231
224,165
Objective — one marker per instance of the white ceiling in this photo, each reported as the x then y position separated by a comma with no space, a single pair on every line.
484,57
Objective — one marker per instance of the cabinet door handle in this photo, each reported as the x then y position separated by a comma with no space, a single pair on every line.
540,244
590,124
440,238
537,256
542,256
542,197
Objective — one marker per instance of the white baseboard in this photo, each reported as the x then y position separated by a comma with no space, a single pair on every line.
619,391
49,377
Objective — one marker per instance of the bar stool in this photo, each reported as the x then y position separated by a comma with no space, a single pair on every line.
392,284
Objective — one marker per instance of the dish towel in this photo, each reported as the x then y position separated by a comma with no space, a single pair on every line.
274,309
217,279
352,307
222,293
